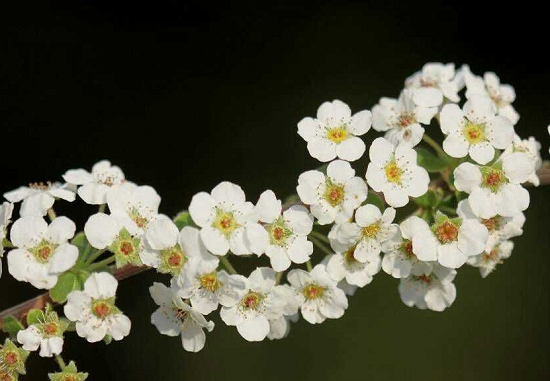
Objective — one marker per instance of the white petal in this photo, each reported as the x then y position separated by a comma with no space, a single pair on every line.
500,132
214,240
479,109
63,258
28,231
482,153
299,219
450,256
193,338
256,238
428,97
472,237
351,149
229,193
455,145
268,208
517,167
307,128
322,149
340,171
300,250
467,177
367,215
162,234
201,207
380,151
101,285
255,329
61,230
308,182
101,230
78,176
93,193
451,118
360,123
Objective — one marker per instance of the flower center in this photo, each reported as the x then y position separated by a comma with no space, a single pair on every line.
371,230
140,221
349,255
427,82
126,247
427,279
407,249
43,252
172,260
313,291
251,301
334,194
50,329
337,134
474,133
225,222
102,308
491,256
491,224
11,358
393,172
446,232
493,179
406,120
179,313
210,282
278,232
5,376
69,377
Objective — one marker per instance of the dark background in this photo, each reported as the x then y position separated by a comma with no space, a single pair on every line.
184,95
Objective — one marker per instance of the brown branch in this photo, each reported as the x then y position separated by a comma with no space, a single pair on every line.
39,302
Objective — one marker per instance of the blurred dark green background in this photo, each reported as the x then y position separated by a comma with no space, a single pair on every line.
184,95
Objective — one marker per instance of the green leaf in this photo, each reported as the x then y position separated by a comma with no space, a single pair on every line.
429,161
184,219
35,316
427,200
375,200
84,248
66,283
11,325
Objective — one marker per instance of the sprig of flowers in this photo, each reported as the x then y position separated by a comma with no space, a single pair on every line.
332,237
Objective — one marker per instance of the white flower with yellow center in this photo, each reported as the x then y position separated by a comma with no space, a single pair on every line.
47,334
41,251
489,85
94,187
500,228
488,260
456,239
475,130
531,147
134,206
334,133
496,189
335,196
344,265
282,235
394,171
94,310
366,234
434,291
170,251
434,83
206,287
410,251
318,294
401,119
223,216
6,210
37,198
174,317
259,304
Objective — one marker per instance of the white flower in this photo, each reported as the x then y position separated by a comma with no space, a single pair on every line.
41,252
94,310
46,335
475,130
170,251
455,239
259,304
283,237
488,261
280,327
95,186
435,82
206,288
174,317
366,234
6,210
531,147
335,196
500,228
318,294
345,266
394,172
408,252
37,198
496,190
502,95
401,118
223,216
134,206
434,291
334,133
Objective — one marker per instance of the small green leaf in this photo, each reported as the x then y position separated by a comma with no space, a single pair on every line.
11,325
427,200
429,161
375,200
184,219
35,316
66,283
108,339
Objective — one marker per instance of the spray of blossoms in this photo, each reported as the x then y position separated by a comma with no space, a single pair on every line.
345,224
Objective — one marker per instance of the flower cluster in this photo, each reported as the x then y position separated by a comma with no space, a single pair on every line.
342,227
